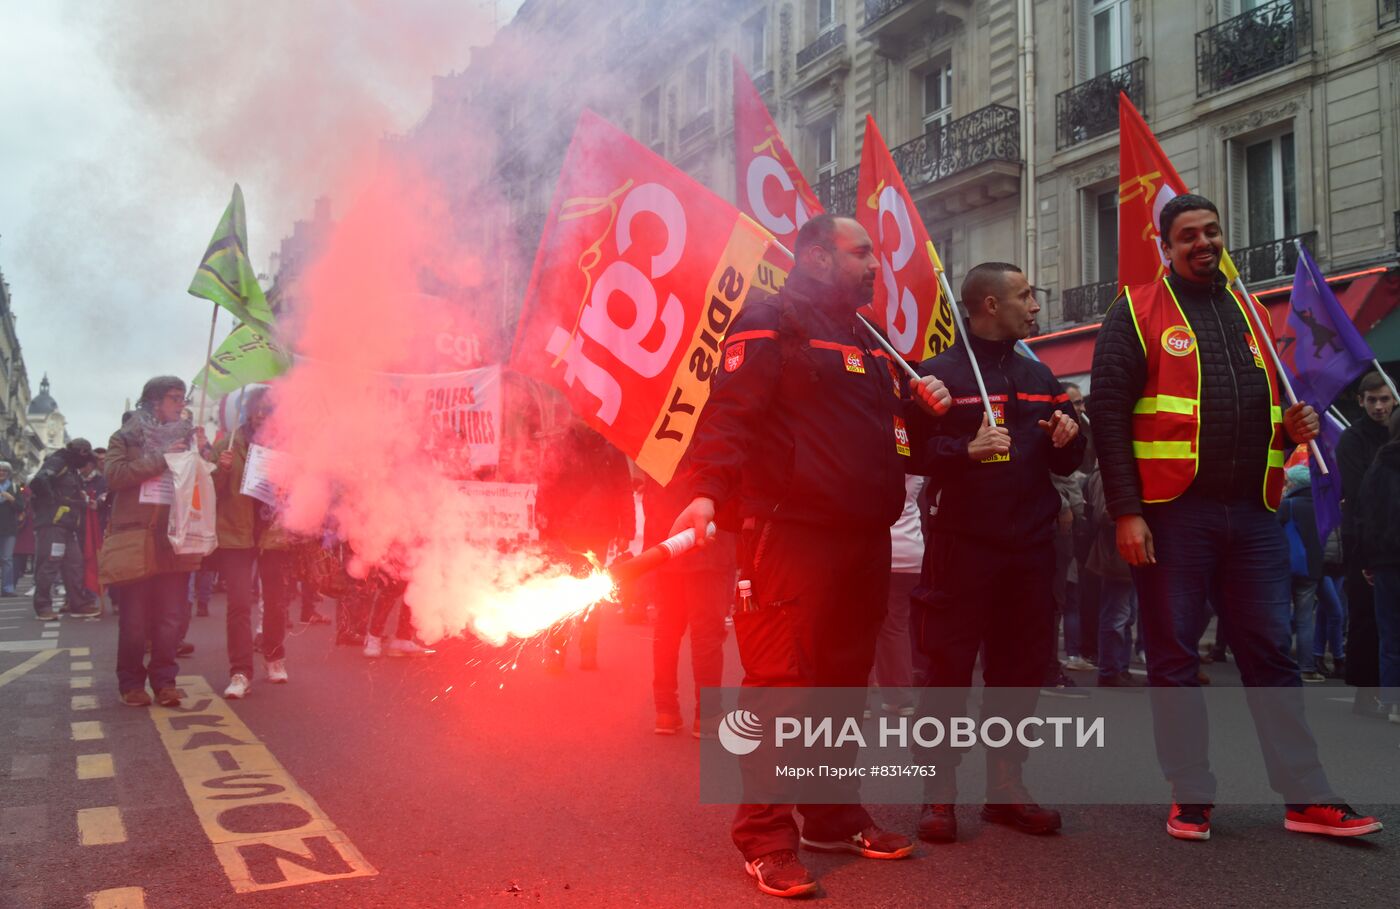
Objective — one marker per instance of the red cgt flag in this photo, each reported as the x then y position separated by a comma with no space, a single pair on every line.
1146,182
771,189
908,304
640,272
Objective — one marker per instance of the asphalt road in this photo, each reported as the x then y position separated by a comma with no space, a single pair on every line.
448,781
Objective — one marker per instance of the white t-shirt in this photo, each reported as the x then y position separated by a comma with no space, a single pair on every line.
907,534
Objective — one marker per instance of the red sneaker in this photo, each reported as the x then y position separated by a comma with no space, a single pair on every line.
1329,820
1189,822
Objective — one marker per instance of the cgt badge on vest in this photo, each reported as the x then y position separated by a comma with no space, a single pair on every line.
1179,340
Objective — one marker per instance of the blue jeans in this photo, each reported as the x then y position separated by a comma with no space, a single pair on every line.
1388,630
1331,620
152,609
1116,601
201,587
1236,556
1304,622
7,566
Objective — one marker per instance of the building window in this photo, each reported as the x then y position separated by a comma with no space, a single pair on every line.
824,142
1100,236
651,115
697,86
826,15
938,97
1270,190
1104,36
755,44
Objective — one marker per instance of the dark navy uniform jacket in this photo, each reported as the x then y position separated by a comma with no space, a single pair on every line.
806,420
1009,501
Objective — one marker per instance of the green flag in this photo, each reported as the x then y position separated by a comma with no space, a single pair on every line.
247,355
226,276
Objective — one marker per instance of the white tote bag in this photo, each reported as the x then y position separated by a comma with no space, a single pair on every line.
192,520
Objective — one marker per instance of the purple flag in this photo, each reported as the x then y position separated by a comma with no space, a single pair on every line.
1327,489
1319,345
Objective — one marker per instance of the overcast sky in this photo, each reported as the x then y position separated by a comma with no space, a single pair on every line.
123,126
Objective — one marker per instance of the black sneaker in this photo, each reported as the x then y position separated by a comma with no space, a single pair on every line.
938,824
86,612
872,842
46,616
781,873
1063,687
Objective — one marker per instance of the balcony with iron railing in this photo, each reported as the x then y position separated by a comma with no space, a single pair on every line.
1266,262
1261,40
894,25
837,193
763,82
1090,108
824,44
696,126
1089,301
970,161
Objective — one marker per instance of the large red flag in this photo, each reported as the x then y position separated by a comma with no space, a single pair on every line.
1146,182
908,303
771,189
640,272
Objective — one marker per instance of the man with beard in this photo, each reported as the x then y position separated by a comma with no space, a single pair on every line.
803,443
1192,440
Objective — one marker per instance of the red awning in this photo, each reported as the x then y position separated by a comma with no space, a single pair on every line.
1367,296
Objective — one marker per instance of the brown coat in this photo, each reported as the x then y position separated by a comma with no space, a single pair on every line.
136,545
237,513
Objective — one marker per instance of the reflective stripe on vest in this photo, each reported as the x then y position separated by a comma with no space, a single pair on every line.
1166,419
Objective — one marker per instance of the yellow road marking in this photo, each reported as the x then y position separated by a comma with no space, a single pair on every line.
82,667
84,702
95,767
100,826
80,681
87,731
78,651
118,898
34,662
266,830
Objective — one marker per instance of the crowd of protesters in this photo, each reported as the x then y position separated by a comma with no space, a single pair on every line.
1127,548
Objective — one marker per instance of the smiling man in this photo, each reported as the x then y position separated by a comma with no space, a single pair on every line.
1191,441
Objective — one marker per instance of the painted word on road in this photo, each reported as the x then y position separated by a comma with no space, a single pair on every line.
266,830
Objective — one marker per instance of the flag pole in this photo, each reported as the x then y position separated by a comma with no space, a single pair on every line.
1258,328
967,339
1337,415
1385,375
208,355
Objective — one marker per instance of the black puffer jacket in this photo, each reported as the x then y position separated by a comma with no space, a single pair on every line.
58,492
1378,511
1235,421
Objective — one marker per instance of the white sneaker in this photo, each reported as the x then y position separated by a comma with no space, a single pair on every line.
373,646
277,672
1079,664
237,687
399,647
1395,713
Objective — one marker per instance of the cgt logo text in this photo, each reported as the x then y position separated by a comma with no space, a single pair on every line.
741,732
